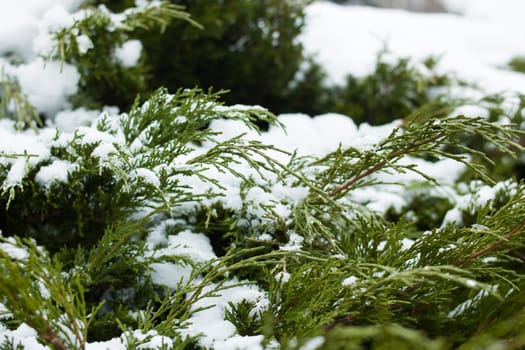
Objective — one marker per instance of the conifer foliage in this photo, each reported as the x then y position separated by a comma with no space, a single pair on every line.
179,224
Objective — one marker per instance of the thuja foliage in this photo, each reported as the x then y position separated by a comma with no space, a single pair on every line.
394,90
250,48
256,46
518,64
500,108
14,104
262,62
330,268
91,44
144,228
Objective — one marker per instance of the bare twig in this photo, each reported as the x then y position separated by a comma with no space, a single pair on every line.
381,164
494,245
52,338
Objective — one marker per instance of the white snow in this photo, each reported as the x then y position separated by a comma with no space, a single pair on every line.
170,274
295,242
215,330
471,283
349,281
475,46
406,243
313,343
84,43
475,195
55,172
472,111
14,252
147,175
69,120
238,342
129,53
24,335
47,83
282,276
21,21
19,150
193,245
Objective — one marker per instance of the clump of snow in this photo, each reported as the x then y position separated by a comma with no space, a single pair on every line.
215,331
20,149
69,120
313,343
88,135
295,242
129,53
84,43
55,172
47,83
471,111
282,276
14,252
349,281
406,244
16,174
471,283
17,30
186,244
147,175
170,274
476,194
239,342
196,246
150,339
447,248
25,336
346,39
54,19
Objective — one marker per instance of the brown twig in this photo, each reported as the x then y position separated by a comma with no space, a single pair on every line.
52,338
381,165
356,178
342,321
494,245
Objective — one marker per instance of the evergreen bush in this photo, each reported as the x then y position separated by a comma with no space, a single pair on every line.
178,224
249,48
518,64
394,90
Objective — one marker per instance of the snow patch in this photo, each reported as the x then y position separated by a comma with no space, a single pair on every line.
129,53
57,171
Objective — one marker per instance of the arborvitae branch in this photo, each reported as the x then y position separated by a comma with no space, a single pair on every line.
393,157
24,113
505,238
430,138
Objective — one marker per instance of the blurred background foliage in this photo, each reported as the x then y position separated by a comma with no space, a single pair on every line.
251,48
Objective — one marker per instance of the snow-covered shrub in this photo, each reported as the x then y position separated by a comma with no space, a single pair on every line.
109,58
249,48
397,88
177,224
518,64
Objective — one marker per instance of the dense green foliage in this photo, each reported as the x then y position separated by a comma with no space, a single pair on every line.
247,47
158,215
104,79
251,49
392,91
518,64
